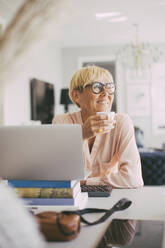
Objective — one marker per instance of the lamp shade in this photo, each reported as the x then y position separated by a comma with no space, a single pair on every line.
65,99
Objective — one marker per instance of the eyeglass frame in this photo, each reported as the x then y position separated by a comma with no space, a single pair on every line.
80,88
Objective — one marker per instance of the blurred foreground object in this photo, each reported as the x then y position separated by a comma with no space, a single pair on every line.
18,229
36,22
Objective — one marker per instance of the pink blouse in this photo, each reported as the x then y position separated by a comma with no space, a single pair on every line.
114,157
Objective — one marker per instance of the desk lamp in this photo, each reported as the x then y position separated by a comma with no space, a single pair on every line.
65,99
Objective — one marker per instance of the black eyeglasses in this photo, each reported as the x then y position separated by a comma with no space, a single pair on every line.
97,87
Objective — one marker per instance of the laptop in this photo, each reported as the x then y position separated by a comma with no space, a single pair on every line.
45,152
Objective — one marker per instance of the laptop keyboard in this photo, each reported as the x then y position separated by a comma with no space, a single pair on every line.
97,190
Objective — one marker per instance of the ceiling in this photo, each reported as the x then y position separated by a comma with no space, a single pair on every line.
84,29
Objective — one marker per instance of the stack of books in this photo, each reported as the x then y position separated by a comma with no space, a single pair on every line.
60,194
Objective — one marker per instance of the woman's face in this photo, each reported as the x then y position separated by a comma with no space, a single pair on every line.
90,103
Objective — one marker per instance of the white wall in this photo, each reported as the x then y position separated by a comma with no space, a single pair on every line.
44,65
70,60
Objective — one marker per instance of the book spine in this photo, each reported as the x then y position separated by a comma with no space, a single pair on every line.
41,184
54,201
41,208
82,203
49,201
47,192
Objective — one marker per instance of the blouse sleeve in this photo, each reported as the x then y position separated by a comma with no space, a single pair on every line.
129,173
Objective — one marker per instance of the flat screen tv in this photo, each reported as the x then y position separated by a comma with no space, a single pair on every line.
42,101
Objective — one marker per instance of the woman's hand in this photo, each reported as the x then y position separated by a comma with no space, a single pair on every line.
96,124
83,182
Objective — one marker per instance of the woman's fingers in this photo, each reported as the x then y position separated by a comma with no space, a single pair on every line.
104,125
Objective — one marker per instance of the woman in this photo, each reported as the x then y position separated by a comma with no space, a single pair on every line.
109,146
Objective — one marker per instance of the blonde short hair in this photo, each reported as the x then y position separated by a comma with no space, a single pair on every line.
87,75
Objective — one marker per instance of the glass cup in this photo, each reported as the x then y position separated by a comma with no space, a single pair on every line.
110,114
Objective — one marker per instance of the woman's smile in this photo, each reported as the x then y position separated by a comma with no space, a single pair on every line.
102,102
